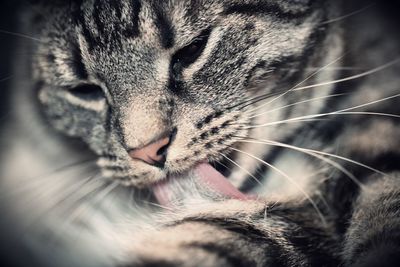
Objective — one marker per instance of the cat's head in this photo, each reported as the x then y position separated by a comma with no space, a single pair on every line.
156,87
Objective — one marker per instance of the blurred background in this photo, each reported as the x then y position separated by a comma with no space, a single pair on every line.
8,21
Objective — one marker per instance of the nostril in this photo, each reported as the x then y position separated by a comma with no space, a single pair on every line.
155,153
162,151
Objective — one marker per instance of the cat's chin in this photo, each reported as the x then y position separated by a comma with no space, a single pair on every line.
202,182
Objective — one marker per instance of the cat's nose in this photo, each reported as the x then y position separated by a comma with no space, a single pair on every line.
154,153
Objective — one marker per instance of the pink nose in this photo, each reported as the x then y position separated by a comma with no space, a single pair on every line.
153,154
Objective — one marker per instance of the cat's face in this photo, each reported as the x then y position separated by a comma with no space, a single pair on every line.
155,87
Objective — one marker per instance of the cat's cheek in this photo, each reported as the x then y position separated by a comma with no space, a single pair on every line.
55,112
144,175
73,116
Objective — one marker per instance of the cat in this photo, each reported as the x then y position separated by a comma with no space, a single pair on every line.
203,133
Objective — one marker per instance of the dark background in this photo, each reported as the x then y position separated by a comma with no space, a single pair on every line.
8,22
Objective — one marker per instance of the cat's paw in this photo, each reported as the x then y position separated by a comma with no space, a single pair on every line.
221,235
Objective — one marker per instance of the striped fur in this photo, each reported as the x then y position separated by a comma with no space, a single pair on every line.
283,92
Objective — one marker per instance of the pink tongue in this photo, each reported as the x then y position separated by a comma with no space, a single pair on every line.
217,182
207,177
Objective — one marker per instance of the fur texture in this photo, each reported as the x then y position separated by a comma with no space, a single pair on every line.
289,99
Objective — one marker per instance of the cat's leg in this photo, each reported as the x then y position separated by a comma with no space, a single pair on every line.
240,233
373,236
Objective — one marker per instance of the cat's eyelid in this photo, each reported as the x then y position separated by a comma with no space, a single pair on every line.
88,91
204,34
200,37
185,57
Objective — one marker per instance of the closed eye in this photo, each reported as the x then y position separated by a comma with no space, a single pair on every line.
90,92
189,54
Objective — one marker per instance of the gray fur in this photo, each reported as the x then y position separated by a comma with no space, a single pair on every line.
255,48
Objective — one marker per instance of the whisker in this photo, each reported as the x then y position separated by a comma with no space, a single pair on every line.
257,99
297,103
69,166
329,68
335,156
298,84
69,195
251,101
132,200
348,15
6,78
291,180
295,120
43,178
369,113
243,169
157,205
84,190
353,77
337,112
222,164
317,192
134,205
312,153
21,35
100,195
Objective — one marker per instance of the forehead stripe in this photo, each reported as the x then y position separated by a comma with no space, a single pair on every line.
127,29
133,29
167,34
81,22
97,10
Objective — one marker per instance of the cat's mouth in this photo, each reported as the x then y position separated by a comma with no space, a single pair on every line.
203,181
